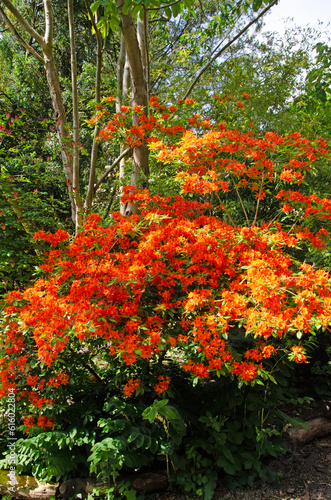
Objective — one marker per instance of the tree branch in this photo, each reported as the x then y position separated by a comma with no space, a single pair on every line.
48,22
223,49
109,169
163,6
259,199
240,199
23,22
18,37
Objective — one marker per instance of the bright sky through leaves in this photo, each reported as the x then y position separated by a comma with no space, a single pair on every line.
303,12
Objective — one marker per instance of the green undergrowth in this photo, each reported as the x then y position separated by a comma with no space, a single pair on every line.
202,435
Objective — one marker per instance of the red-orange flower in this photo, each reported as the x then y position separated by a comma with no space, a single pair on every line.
162,385
131,387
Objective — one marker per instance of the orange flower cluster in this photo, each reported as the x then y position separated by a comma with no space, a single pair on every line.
175,276
122,284
162,385
53,239
42,421
131,387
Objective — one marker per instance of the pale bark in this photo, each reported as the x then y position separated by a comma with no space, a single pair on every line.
75,118
97,95
60,118
142,35
49,29
139,92
123,85
119,75
111,168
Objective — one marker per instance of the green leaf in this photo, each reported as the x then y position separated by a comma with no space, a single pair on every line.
236,437
126,8
168,13
169,412
150,414
321,94
293,421
256,4
95,6
133,434
139,441
176,8
167,448
209,488
227,452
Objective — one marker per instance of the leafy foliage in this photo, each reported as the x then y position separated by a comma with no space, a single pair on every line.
32,190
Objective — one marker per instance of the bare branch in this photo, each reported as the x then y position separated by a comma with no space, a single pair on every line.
19,38
223,49
259,199
163,6
109,169
23,22
225,210
240,199
94,24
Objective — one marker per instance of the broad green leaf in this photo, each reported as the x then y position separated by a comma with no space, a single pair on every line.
176,8
95,6
227,452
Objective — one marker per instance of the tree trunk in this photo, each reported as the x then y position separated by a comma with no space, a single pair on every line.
139,94
95,146
60,119
123,83
75,119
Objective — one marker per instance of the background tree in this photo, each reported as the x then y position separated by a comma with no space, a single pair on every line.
135,38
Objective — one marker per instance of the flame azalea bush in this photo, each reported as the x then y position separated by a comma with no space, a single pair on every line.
130,311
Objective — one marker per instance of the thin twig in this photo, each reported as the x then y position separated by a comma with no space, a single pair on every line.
112,195
240,199
258,200
225,210
164,6
89,368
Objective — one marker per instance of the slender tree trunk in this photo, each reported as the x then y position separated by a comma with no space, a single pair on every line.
123,86
75,119
63,134
139,92
95,146
142,36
